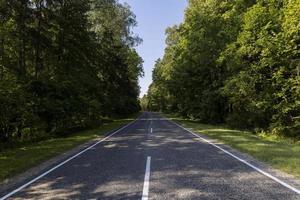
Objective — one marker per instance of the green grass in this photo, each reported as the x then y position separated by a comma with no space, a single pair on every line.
283,154
19,159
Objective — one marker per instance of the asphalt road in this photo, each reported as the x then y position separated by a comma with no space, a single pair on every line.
153,158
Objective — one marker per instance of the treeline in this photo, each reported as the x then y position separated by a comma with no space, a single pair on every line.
65,64
233,61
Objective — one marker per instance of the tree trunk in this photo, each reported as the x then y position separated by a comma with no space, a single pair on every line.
2,57
61,34
38,41
22,47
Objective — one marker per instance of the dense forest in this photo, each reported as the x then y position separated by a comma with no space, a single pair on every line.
65,64
234,62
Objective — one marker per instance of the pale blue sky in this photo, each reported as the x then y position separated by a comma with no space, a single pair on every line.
153,17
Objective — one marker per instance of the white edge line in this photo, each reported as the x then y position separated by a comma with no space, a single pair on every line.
62,163
147,179
242,160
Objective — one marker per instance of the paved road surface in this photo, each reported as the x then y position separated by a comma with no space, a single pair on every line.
154,158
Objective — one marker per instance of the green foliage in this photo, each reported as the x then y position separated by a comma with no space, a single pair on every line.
235,62
144,103
65,64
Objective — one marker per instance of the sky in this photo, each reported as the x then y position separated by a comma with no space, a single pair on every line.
153,17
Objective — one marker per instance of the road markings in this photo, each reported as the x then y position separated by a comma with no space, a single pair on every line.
242,160
64,162
151,130
152,119
146,180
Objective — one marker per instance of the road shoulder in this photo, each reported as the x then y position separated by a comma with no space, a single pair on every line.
283,176
15,181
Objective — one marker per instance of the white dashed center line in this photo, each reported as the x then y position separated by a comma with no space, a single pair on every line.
146,180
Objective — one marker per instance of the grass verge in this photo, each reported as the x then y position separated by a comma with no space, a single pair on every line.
19,159
282,154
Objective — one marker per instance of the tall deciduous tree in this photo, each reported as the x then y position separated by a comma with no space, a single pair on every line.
65,64
234,62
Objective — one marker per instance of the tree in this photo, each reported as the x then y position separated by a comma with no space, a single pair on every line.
65,65
234,62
